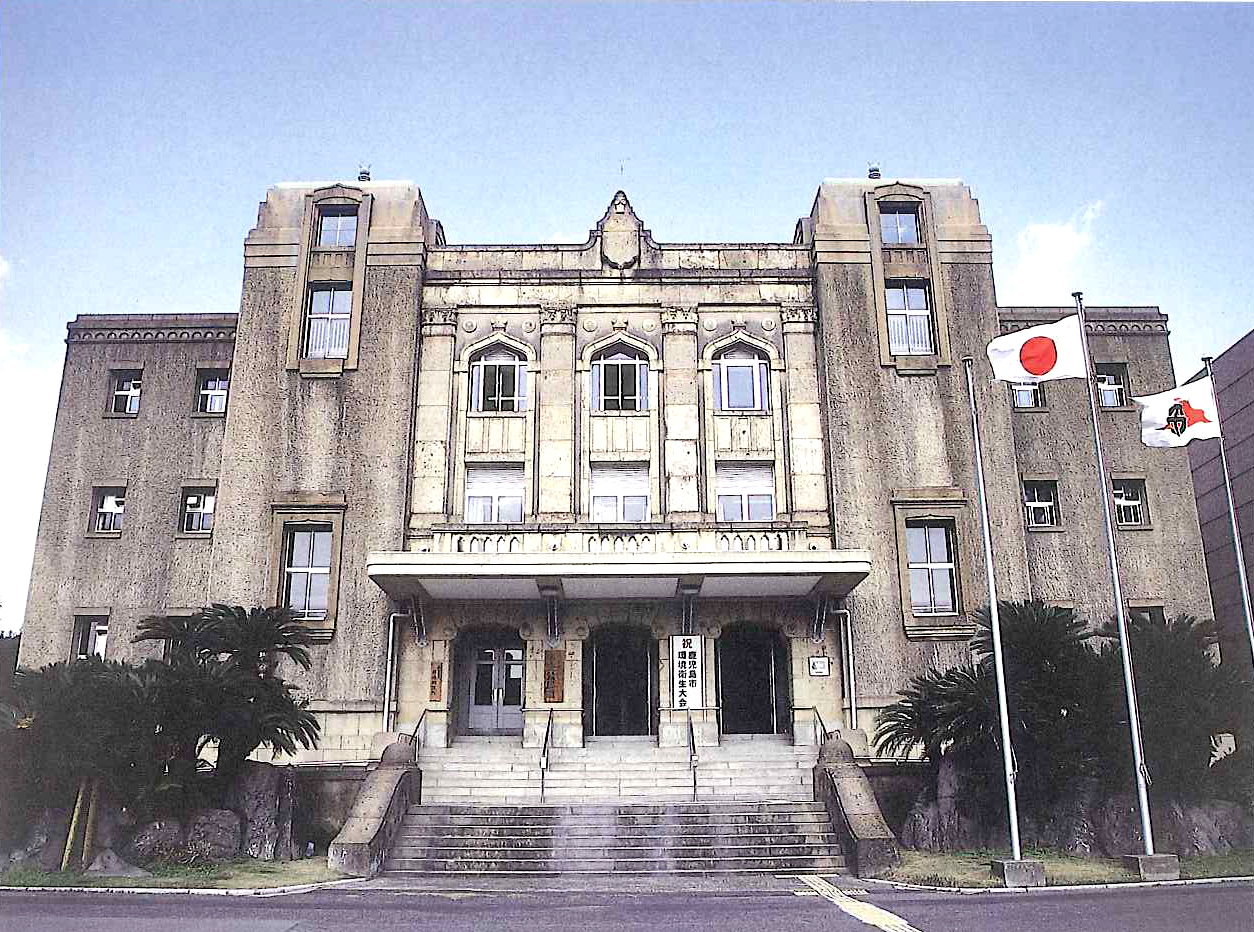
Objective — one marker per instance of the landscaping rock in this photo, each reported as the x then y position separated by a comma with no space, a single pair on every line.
951,821
108,864
1071,830
153,839
45,840
255,796
283,849
214,834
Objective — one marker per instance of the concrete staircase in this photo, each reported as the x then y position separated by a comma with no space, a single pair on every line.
685,838
496,771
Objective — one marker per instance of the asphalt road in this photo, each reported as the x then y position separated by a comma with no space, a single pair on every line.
1216,908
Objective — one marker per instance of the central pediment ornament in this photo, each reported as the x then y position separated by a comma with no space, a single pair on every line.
620,234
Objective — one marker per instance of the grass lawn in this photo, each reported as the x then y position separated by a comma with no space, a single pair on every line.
971,869
244,873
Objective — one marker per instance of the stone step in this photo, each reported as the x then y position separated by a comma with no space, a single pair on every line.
567,840
414,825
613,852
814,864
619,809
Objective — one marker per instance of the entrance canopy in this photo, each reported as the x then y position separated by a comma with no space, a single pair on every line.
522,576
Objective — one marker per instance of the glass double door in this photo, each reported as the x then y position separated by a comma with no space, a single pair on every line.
495,689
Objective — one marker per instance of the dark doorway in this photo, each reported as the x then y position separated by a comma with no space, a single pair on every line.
490,682
620,682
753,681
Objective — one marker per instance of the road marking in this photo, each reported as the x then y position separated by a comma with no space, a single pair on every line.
863,912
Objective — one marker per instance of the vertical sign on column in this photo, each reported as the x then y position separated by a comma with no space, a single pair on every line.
687,678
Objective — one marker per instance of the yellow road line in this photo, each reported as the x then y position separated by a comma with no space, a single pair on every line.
863,912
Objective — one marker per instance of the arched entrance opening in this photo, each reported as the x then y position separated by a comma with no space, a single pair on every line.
620,681
489,677
753,680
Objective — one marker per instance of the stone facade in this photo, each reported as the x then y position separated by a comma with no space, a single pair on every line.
747,474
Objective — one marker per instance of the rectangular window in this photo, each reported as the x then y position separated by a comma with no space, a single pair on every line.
1027,395
211,390
620,385
125,385
1040,503
1131,509
1112,384
741,383
494,494
930,563
909,320
498,385
108,507
327,321
337,226
197,511
306,569
746,491
91,636
620,492
899,225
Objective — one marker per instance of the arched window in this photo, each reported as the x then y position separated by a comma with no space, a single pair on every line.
498,380
741,380
620,379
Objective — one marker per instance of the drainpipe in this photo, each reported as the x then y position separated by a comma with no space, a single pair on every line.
846,640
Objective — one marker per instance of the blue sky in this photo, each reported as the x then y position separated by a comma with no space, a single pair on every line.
1108,146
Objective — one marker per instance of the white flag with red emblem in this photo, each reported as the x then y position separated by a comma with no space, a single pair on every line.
1039,354
1173,418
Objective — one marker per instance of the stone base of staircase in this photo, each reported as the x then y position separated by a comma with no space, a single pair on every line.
686,838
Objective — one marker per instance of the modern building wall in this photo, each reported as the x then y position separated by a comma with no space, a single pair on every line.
1234,386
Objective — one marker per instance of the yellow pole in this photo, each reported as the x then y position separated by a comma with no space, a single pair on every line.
69,838
89,832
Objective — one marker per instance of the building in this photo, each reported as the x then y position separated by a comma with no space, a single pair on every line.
605,489
1234,388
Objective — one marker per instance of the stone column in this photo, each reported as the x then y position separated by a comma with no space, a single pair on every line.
681,410
433,419
556,414
807,465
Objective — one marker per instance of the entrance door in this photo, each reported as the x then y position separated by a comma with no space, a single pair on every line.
753,681
495,689
620,682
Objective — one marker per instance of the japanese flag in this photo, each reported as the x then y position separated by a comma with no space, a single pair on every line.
1039,354
1173,418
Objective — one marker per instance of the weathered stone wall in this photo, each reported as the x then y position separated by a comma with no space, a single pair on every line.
149,568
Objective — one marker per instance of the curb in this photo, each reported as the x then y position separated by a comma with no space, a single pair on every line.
1062,888
194,891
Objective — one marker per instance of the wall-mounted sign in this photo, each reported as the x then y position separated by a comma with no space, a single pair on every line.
554,675
687,676
820,666
437,681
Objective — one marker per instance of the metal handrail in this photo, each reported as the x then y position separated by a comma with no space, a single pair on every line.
692,753
413,738
544,752
821,729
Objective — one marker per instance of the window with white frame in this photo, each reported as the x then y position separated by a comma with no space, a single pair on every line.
620,380
197,511
620,492
494,494
126,385
211,390
910,330
306,569
930,562
1040,503
109,507
1131,509
91,636
498,380
899,225
1112,384
337,226
1027,395
327,321
741,380
746,491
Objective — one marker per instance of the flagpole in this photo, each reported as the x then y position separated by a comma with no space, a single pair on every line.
1003,715
1125,651
1232,514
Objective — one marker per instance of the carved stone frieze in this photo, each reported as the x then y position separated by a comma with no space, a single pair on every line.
678,318
437,316
178,334
558,313
798,312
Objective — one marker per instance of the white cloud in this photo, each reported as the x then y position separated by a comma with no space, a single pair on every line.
27,432
1046,269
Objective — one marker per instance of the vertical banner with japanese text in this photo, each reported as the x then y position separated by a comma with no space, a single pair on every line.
687,677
